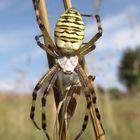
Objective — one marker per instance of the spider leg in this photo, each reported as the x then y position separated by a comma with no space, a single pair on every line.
45,48
88,88
39,85
93,40
43,27
46,92
36,8
84,81
86,50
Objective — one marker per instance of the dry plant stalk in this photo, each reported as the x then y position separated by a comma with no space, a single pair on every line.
68,109
48,40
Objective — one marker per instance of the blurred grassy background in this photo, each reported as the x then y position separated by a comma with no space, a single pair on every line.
24,64
120,118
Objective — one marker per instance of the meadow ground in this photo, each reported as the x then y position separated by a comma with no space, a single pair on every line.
121,118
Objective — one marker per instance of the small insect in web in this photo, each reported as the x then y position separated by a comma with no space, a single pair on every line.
69,35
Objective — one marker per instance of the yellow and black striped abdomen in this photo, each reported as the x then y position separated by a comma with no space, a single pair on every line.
69,31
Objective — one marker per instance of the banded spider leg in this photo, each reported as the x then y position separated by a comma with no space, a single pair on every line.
90,97
49,78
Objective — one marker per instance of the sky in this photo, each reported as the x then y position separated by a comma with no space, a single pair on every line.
22,62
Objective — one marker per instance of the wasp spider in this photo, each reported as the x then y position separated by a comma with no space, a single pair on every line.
69,35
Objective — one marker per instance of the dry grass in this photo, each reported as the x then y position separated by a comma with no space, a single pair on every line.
16,125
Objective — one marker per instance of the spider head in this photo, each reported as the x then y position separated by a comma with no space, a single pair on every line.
69,31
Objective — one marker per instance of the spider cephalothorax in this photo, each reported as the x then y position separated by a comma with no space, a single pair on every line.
69,35
68,64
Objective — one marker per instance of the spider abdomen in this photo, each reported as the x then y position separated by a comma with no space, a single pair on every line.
69,31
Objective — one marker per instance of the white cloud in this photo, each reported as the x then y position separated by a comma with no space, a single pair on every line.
117,36
11,88
117,32
104,67
13,39
6,86
120,39
17,85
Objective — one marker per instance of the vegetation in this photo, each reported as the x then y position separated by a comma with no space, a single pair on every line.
120,118
115,93
129,70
